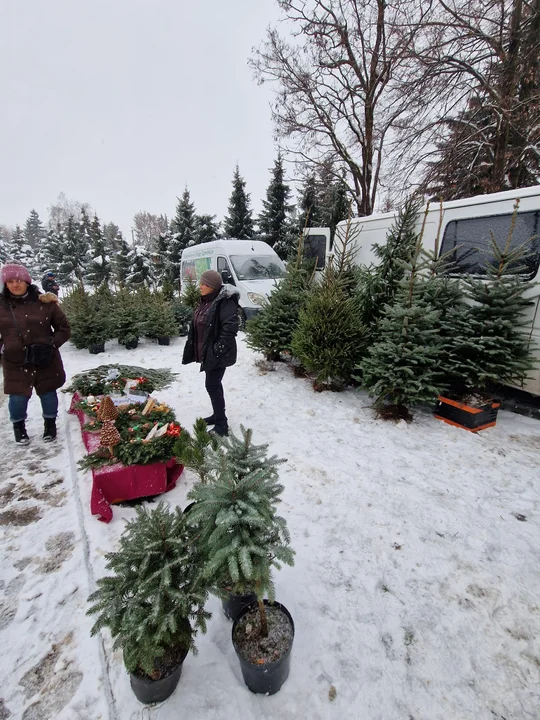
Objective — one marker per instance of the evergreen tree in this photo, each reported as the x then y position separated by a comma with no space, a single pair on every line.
191,293
334,204
403,367
239,223
271,330
340,208
160,259
190,449
127,320
98,268
240,535
206,228
329,339
183,224
487,343
159,320
378,284
3,248
74,250
34,232
50,253
274,226
15,251
153,603
121,265
311,211
140,267
89,317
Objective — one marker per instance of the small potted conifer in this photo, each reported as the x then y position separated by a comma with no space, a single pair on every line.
89,320
160,323
488,343
127,319
153,603
241,539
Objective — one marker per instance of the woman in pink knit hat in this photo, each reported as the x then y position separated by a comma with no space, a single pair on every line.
32,328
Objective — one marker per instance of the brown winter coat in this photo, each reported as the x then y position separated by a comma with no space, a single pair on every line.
40,320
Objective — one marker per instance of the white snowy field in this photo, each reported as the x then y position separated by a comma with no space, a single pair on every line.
416,589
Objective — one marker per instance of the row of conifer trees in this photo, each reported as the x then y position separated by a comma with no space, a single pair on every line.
126,315
405,330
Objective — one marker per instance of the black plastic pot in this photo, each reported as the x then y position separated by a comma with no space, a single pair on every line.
234,604
265,679
154,691
467,417
96,348
188,507
131,344
163,340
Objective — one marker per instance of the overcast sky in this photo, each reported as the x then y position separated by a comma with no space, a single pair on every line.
122,103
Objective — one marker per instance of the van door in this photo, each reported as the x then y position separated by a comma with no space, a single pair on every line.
224,267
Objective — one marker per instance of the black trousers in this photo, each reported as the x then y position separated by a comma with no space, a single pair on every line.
214,388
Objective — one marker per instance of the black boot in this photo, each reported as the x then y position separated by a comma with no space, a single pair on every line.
21,436
211,420
49,429
222,430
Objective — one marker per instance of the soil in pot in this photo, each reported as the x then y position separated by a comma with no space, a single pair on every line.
264,661
96,348
163,340
169,667
235,603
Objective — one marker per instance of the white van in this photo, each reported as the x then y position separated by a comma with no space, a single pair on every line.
252,266
464,228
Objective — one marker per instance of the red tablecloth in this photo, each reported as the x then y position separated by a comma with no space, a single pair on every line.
115,483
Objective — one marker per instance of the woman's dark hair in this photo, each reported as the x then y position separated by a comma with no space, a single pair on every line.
7,295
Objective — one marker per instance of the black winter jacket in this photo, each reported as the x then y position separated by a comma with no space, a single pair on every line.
219,343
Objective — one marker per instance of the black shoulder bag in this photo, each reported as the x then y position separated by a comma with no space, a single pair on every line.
37,354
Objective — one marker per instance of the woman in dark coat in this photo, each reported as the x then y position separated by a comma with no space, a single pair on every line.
212,341
29,317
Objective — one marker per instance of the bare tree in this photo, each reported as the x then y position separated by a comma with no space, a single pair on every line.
338,84
479,71
63,209
147,228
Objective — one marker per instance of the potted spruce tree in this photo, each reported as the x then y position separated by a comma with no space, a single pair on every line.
160,322
153,602
486,342
242,538
127,319
89,320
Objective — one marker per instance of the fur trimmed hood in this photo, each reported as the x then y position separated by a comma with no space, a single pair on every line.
48,297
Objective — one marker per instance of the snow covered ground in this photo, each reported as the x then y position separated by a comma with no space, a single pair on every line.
416,589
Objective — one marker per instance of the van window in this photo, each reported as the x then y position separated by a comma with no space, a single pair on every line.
194,268
222,265
469,242
250,267
315,247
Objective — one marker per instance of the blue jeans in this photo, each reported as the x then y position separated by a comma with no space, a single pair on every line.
18,403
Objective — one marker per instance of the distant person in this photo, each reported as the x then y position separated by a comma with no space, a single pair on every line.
50,283
212,341
32,328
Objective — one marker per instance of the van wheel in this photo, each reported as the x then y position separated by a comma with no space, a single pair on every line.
242,319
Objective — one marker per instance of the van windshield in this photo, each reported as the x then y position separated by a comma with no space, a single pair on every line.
257,267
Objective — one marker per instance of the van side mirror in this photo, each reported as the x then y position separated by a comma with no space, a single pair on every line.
227,277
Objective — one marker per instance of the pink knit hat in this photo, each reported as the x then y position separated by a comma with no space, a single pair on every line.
13,271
